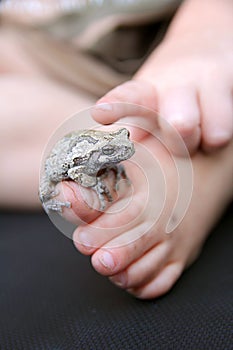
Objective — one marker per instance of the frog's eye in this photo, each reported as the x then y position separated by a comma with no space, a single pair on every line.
108,150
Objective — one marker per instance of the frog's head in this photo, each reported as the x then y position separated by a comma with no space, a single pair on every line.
117,148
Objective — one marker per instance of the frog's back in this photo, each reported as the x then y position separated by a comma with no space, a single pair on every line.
57,163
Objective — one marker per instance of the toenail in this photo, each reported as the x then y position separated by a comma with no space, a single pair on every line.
103,107
107,261
176,119
84,239
119,280
220,136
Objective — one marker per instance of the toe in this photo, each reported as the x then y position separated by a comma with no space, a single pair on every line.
124,250
144,269
161,284
179,107
133,92
85,203
108,230
82,200
217,117
134,102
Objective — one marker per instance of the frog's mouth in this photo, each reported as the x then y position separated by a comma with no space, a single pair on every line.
128,152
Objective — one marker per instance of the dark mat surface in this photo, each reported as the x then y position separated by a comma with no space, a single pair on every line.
50,298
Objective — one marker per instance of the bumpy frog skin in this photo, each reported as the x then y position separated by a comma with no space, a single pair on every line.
86,157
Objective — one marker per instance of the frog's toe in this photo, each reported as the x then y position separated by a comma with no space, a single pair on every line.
56,206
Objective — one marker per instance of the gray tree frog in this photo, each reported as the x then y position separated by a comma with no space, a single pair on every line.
86,157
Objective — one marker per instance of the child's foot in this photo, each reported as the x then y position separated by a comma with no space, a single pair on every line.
129,244
188,81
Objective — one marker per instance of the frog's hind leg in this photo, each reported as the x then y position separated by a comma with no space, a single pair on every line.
101,188
47,193
47,189
120,174
55,205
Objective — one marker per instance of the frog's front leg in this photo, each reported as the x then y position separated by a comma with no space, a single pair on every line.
79,175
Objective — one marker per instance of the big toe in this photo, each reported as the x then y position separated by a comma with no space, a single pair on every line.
83,202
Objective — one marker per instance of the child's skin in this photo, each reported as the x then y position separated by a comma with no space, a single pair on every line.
148,266
29,102
188,79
